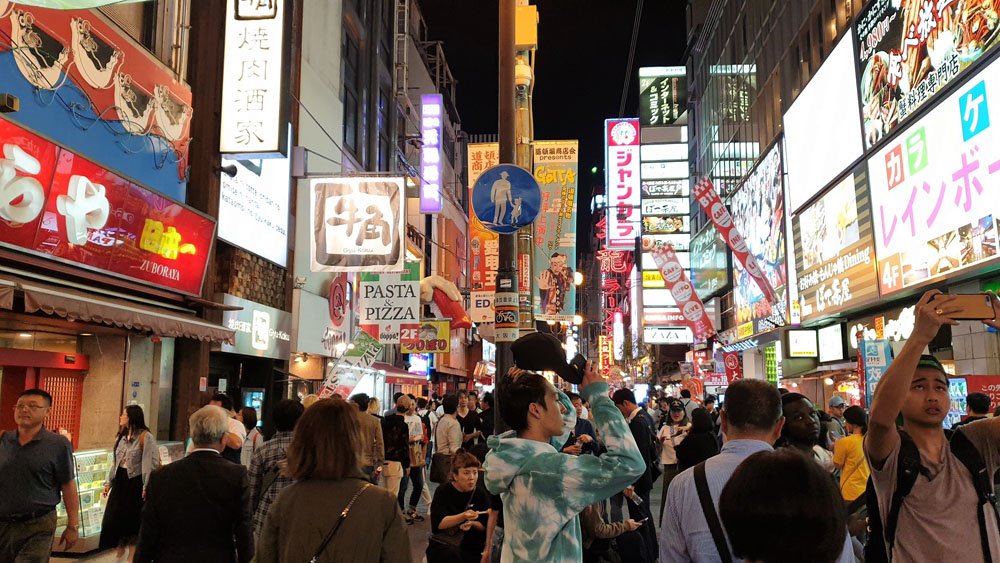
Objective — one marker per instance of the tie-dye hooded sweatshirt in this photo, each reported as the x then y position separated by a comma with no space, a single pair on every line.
544,490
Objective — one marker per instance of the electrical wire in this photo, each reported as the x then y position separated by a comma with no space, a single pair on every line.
631,58
321,128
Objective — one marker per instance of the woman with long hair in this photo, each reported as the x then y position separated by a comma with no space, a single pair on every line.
331,498
254,439
135,456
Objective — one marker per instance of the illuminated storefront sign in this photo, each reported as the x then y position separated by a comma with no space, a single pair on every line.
802,344
622,165
253,81
934,189
909,50
667,335
662,94
834,256
358,224
63,206
389,305
831,343
614,261
430,153
261,331
430,336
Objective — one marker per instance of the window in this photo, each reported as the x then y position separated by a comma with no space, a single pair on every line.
138,21
388,34
352,93
385,145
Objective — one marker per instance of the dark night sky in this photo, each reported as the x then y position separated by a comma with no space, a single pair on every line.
582,54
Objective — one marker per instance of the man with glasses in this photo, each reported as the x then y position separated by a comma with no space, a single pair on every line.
35,467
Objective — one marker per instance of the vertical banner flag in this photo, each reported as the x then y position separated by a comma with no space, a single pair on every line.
877,355
390,303
358,224
362,355
622,164
709,200
484,245
682,291
556,168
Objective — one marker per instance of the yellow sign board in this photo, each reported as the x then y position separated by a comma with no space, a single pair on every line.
429,337
652,280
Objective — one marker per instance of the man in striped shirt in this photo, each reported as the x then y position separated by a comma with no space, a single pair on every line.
266,480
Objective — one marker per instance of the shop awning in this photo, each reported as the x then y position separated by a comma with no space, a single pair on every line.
89,307
397,376
7,288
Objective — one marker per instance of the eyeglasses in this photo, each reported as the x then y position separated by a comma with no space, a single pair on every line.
23,407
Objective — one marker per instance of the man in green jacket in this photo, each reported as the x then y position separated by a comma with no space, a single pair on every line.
544,490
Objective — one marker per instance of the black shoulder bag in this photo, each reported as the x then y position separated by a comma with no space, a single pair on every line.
337,523
711,516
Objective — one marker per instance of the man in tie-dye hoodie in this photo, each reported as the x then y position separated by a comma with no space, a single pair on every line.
543,489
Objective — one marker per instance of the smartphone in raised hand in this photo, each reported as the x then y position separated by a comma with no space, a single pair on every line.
972,307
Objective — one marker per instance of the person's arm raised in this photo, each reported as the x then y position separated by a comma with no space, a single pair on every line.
890,394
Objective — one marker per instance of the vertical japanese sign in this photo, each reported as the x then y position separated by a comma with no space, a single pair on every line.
389,304
623,183
734,370
253,78
556,168
934,189
682,291
662,94
358,225
484,246
877,356
430,153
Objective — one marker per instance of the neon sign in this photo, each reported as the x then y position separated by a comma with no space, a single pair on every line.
430,153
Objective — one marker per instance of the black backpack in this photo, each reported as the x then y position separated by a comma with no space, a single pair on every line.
882,536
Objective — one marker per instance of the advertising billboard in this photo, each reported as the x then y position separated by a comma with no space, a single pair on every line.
662,94
827,104
358,224
834,252
621,144
484,244
556,167
709,262
910,50
758,213
934,189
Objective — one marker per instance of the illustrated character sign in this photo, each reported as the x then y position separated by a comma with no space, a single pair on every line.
554,283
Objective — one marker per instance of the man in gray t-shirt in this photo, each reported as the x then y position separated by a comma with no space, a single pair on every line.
938,520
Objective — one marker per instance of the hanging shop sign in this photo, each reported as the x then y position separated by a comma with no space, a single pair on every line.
556,168
317,333
834,252
653,189
484,245
910,50
666,225
709,262
934,189
261,331
389,304
85,85
876,357
662,94
665,206
621,143
734,368
683,292
358,224
431,115
254,103
430,336
667,335
58,204
828,103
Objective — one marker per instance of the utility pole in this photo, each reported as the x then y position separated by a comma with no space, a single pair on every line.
507,270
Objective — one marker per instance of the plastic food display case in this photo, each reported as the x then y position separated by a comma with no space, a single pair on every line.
92,468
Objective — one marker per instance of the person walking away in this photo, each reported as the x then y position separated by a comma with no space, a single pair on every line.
429,419
803,431
638,495
459,514
778,507
700,443
544,490
36,468
266,480
237,432
134,459
672,433
372,454
415,473
583,439
198,507
944,516
396,436
977,407
469,419
254,439
835,428
331,499
751,421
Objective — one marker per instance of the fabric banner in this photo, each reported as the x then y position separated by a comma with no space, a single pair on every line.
877,356
709,199
556,167
682,291
484,245
345,375
429,337
389,304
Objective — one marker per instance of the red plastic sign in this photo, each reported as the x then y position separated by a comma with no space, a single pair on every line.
680,287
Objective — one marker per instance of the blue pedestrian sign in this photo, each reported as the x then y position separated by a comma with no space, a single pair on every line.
506,198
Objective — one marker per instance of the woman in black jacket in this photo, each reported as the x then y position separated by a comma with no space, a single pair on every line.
700,444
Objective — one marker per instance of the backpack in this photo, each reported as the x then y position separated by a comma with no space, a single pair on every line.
882,536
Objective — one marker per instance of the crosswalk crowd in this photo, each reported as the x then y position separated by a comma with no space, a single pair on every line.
764,477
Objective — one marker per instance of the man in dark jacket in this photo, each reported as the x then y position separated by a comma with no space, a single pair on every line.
643,430
198,508
396,437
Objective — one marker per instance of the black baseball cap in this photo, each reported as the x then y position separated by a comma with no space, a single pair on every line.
544,352
676,405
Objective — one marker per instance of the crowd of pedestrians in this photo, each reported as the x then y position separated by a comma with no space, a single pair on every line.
764,477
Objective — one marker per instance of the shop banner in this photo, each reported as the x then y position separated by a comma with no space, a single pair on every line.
834,250
621,144
484,245
389,304
734,369
683,292
60,205
261,331
343,377
935,187
876,357
431,336
709,199
910,50
556,166
662,94
358,224
989,385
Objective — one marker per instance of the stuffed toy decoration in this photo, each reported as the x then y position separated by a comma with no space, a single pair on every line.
445,300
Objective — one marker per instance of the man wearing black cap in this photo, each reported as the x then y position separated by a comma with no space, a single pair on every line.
944,517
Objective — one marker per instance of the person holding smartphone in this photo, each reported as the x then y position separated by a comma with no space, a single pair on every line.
597,535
